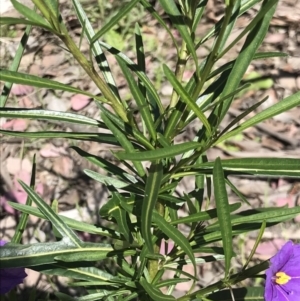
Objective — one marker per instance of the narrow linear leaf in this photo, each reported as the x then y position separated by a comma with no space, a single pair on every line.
154,292
30,14
115,19
186,98
141,75
153,184
14,66
91,255
96,48
245,6
257,56
154,13
15,21
179,22
60,226
203,216
176,236
24,217
223,212
115,210
48,115
126,144
106,165
140,100
32,80
253,41
74,224
259,166
271,215
160,153
15,255
239,294
280,107
53,7
126,128
84,273
101,138
106,179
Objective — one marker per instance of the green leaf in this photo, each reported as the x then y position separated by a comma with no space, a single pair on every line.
114,184
203,216
30,14
101,138
234,16
257,56
15,21
269,214
110,181
159,153
160,20
186,98
24,217
237,192
53,7
223,212
242,115
32,80
14,66
154,292
280,107
48,115
239,294
115,19
140,100
74,224
106,165
123,140
245,6
15,255
96,48
90,254
153,184
178,21
283,167
176,236
154,102
253,41
57,222
126,128
265,7
141,75
113,209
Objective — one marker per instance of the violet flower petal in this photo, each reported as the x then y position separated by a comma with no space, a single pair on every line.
283,275
9,278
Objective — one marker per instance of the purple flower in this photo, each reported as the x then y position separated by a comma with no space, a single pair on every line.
283,276
10,277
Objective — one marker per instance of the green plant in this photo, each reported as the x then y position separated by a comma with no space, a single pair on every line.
142,207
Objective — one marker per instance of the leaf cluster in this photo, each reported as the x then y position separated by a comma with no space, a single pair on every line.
142,208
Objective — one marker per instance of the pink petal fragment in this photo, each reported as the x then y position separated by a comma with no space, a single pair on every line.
79,101
19,90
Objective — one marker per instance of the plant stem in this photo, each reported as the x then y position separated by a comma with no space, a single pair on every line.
180,66
234,279
214,53
95,77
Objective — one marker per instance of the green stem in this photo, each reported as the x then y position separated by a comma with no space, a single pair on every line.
90,70
234,279
153,265
180,66
214,53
